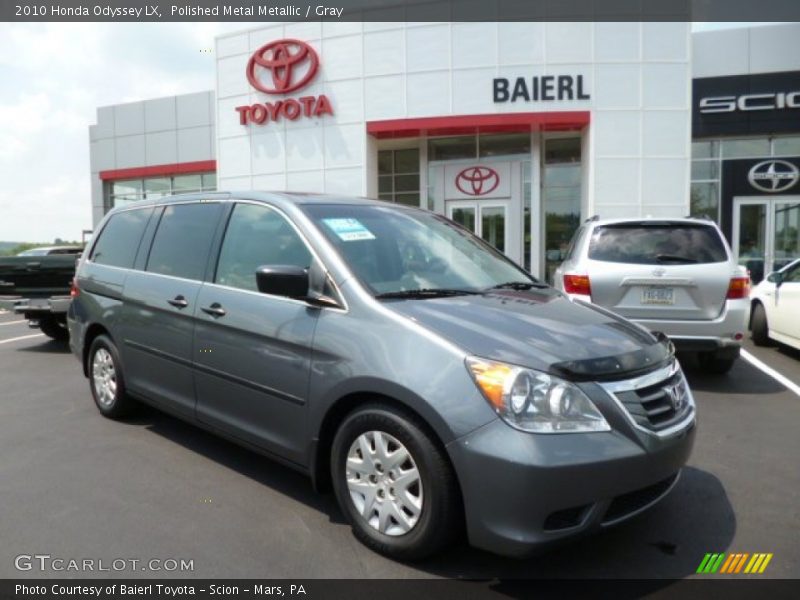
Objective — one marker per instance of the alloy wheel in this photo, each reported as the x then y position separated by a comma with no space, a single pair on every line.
384,483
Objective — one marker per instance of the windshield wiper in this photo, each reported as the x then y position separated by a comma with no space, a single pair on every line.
426,293
519,285
675,258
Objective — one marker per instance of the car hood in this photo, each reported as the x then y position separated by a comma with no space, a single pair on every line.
540,329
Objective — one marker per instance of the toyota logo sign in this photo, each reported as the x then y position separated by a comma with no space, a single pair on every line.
282,67
477,181
773,176
292,64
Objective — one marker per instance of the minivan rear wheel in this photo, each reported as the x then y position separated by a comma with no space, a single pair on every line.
106,379
393,483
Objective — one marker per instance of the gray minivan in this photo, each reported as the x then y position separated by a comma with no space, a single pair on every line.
389,354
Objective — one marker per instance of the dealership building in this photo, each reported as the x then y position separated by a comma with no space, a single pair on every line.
519,131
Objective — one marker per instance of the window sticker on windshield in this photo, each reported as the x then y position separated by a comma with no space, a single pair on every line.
349,230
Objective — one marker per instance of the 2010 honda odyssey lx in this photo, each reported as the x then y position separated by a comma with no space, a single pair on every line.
388,353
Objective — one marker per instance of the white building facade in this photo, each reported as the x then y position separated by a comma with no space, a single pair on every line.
517,130
152,148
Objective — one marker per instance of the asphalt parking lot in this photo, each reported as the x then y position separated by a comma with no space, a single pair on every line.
76,485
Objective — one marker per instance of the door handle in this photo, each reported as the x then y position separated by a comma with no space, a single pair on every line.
215,310
179,302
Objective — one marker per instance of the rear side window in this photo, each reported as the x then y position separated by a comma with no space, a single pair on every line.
257,236
574,243
657,244
120,238
183,240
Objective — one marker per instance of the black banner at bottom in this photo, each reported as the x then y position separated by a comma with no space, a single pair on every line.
384,589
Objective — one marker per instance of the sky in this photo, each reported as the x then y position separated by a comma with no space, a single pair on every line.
53,76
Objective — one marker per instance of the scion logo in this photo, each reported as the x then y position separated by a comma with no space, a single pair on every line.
477,181
750,102
292,63
773,176
282,67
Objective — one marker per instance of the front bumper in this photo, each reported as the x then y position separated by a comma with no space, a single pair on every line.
526,491
725,332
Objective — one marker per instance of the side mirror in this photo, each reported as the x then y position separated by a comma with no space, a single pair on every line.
775,277
282,280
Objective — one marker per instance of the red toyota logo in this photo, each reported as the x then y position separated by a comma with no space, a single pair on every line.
293,64
477,181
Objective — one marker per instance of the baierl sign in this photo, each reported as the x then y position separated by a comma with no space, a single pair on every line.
280,68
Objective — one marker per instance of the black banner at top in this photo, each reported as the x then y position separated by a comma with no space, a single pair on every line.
399,10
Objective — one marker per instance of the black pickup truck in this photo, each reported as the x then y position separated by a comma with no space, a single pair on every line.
37,284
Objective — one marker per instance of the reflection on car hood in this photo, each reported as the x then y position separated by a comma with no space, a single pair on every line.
540,329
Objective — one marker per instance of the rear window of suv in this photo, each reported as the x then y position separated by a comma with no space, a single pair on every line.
657,244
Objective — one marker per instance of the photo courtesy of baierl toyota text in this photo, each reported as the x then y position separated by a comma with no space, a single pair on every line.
408,299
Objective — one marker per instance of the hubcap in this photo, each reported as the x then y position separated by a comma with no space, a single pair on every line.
105,377
384,483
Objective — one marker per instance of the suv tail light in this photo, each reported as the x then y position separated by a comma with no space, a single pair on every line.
74,290
577,284
739,287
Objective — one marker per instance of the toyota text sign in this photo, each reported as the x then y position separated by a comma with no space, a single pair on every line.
278,68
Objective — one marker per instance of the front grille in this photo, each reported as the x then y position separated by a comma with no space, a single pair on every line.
624,505
658,406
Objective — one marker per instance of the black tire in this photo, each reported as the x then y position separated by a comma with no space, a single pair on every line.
716,363
117,404
55,329
439,519
759,326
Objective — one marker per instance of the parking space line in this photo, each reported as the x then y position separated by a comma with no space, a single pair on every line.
24,337
782,379
13,322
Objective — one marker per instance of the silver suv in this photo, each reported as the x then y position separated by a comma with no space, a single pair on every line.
677,276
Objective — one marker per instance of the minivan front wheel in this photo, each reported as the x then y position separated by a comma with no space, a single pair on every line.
106,379
393,483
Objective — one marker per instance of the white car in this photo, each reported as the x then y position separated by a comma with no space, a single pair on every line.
776,307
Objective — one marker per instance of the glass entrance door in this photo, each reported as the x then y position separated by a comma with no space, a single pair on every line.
766,233
486,219
785,232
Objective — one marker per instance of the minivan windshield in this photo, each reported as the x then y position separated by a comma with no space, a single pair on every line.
399,252
657,243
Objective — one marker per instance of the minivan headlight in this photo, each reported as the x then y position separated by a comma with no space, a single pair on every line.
534,401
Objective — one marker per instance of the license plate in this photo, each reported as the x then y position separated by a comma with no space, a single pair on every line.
658,295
